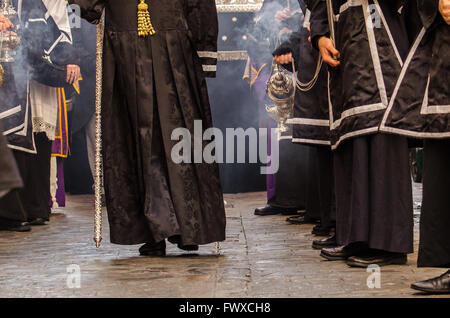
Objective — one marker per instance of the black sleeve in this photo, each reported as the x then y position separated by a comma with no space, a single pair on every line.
62,51
203,23
292,45
65,54
319,20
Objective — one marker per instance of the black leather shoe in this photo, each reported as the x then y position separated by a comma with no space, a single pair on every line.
271,210
14,226
438,285
150,249
320,230
267,210
189,248
376,257
343,252
38,221
325,243
301,219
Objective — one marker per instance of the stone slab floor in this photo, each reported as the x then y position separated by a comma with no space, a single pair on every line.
262,257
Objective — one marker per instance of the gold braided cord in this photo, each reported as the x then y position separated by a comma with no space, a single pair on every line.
2,76
98,134
145,26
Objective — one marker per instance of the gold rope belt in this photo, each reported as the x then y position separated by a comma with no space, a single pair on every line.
145,26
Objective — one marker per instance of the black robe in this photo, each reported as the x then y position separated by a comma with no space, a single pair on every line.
311,124
152,86
374,193
371,59
10,180
372,177
434,245
420,106
9,174
290,181
32,200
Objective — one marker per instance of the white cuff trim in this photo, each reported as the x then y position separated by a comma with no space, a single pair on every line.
207,54
209,68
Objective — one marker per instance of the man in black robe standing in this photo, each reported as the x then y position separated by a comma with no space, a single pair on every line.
420,108
152,85
372,177
286,189
312,128
434,248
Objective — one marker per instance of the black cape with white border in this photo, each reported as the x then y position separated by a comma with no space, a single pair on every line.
361,87
420,106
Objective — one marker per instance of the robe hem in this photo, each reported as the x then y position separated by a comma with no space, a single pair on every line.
137,242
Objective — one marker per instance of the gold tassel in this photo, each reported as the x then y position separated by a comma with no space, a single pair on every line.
145,26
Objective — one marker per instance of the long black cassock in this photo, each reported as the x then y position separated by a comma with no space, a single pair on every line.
420,108
9,173
311,123
152,86
372,177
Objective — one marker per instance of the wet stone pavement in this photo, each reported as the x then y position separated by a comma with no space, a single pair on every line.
262,257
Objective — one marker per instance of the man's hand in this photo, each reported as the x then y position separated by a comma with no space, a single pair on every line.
73,73
444,9
283,59
328,51
5,24
282,15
